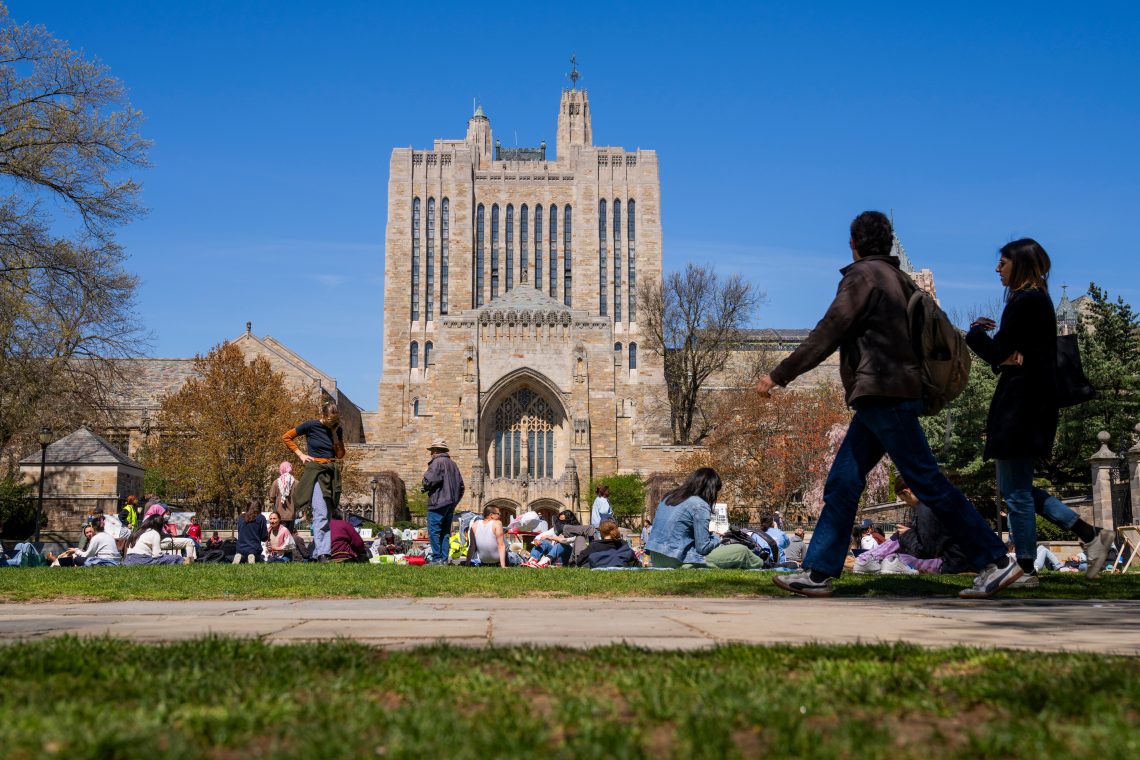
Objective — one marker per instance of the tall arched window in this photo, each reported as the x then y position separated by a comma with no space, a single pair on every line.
538,246
524,419
631,256
602,263
444,237
414,355
416,260
633,356
479,255
494,251
553,251
617,354
567,259
427,354
429,285
510,246
524,254
415,407
617,260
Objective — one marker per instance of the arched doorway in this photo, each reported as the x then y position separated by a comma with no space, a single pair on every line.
508,510
546,509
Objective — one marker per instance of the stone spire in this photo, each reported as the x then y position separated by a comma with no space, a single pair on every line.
479,137
573,117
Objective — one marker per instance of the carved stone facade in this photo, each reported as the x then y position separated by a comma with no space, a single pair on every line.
511,318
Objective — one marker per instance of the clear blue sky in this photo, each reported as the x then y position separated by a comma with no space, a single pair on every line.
775,124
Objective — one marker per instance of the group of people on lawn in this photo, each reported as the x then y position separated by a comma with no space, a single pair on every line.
882,370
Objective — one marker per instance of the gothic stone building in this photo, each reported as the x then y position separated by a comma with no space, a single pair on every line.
511,315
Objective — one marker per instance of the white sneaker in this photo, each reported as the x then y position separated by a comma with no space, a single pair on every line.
893,565
865,563
1026,581
992,580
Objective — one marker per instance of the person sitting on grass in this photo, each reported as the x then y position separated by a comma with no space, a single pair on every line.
487,543
100,549
144,547
609,550
252,532
347,545
279,547
551,546
680,535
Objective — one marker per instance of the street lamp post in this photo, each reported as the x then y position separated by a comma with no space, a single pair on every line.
45,439
375,485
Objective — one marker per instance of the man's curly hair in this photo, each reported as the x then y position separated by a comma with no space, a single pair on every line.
872,234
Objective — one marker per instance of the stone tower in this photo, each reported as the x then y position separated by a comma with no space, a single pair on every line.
573,123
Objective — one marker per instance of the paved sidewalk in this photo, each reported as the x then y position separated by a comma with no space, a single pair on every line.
656,623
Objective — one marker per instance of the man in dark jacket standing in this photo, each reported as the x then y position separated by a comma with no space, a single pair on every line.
444,486
882,379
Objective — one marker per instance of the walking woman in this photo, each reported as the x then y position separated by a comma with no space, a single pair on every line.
319,488
1022,419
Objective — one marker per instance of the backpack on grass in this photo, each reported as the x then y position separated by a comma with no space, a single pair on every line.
943,355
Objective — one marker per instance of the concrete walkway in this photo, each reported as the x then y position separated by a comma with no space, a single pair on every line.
656,623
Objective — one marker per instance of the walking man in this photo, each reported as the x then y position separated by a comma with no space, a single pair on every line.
882,380
444,486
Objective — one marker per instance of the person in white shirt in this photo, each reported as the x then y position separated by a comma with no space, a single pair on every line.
100,549
279,547
601,509
145,545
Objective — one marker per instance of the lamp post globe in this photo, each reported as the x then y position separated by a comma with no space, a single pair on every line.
45,439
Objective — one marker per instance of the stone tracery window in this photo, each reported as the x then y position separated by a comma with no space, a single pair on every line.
430,274
444,236
631,256
617,260
553,251
510,246
494,251
479,218
524,424
523,240
602,257
567,258
416,260
538,246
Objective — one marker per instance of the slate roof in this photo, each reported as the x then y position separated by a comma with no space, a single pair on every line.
82,447
524,296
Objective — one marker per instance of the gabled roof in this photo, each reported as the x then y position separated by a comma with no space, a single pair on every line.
898,250
524,296
82,447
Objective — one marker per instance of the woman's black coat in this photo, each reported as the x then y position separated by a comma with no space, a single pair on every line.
1022,420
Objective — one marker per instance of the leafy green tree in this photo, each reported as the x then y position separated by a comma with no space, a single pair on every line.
17,508
1108,333
627,496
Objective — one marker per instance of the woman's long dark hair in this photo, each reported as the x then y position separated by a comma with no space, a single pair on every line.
565,517
252,511
155,522
1029,266
704,483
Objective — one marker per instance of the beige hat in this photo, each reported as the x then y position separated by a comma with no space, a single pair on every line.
439,443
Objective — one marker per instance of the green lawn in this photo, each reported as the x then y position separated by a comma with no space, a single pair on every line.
227,698
313,580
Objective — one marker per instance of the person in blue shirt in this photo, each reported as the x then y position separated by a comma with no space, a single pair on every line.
680,534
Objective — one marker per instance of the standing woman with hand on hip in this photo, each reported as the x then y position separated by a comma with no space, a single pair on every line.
1022,419
319,487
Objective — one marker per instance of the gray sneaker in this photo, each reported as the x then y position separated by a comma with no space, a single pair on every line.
1026,581
802,584
1097,551
865,564
992,580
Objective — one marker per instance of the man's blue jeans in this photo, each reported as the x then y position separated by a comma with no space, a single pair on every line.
891,426
1015,481
439,532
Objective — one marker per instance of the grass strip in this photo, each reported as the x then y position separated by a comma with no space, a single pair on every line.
228,698
300,581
